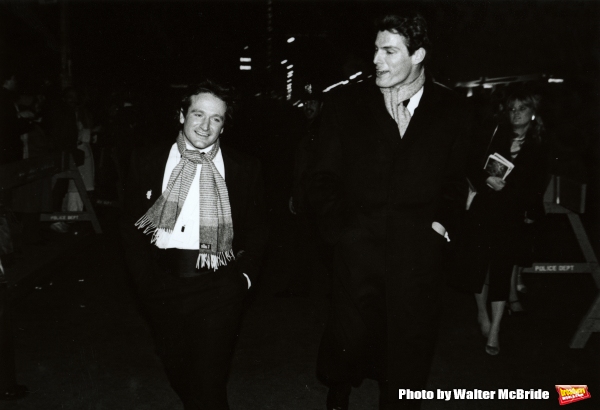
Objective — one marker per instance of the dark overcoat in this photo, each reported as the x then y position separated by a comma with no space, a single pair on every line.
496,234
144,186
377,195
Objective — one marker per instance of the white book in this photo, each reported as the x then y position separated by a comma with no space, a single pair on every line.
498,166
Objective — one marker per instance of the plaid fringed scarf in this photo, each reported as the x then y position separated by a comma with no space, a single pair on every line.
394,98
216,226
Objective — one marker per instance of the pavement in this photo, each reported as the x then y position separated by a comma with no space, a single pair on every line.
82,344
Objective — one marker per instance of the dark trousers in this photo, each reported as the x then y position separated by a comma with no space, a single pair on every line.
195,323
364,339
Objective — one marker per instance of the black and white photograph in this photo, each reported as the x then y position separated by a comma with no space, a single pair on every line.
299,204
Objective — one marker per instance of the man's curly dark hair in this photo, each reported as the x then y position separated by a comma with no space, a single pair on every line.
410,25
224,93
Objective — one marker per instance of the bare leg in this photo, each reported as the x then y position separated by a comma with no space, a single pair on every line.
482,315
493,344
513,299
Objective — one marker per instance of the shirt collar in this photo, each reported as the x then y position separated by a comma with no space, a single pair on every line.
413,103
191,147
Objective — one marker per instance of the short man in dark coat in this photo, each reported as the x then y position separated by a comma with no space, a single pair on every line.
194,230
388,188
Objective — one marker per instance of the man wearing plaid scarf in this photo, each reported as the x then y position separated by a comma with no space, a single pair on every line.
194,230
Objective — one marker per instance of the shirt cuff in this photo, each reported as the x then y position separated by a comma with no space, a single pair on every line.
248,279
439,228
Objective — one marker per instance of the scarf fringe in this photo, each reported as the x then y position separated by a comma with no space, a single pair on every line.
214,261
150,228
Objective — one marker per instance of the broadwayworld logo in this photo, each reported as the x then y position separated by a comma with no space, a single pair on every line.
570,393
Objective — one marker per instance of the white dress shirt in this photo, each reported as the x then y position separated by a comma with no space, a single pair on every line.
186,234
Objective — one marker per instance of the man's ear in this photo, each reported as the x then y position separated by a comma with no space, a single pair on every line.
222,129
181,117
418,56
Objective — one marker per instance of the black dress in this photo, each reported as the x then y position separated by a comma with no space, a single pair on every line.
496,234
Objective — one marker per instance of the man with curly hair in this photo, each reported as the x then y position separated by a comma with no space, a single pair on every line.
194,228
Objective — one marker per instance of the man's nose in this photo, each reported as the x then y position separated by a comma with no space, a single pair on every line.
204,123
377,58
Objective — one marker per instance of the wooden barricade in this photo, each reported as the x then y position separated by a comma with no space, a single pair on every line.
59,165
565,196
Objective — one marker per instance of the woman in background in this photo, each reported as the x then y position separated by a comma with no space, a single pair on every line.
503,209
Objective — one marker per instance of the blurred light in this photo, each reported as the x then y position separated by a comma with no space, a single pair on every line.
555,80
488,86
470,92
289,80
246,48
290,74
335,85
300,105
284,61
291,40
353,76
290,66
359,81
245,59
245,67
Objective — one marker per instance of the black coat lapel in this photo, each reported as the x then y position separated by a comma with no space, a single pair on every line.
156,172
422,117
381,117
232,180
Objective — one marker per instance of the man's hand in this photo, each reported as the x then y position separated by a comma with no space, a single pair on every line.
439,228
496,183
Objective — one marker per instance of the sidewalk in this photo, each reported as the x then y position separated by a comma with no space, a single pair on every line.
81,343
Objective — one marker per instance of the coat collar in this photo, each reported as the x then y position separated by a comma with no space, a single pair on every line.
389,127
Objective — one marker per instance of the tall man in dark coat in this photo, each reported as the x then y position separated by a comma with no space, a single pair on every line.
199,209
388,188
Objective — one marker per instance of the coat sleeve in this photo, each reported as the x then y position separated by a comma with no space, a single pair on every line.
255,231
137,248
454,189
481,146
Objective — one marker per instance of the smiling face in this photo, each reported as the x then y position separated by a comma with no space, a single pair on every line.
519,114
393,63
204,121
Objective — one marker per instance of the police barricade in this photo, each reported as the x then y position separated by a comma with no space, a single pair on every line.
58,165
566,196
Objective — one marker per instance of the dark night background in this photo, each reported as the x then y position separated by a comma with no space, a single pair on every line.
84,345
176,41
